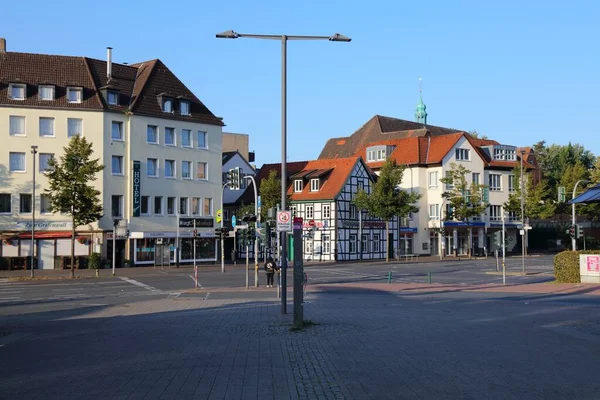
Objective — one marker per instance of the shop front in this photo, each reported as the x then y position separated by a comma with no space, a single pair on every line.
144,246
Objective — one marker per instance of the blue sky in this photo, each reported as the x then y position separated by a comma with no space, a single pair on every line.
516,71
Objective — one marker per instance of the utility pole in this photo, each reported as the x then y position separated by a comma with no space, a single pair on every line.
34,152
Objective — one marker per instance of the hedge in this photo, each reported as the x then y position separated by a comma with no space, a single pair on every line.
566,265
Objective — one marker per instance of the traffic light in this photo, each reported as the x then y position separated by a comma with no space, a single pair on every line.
229,178
251,233
572,229
233,178
498,238
579,231
222,233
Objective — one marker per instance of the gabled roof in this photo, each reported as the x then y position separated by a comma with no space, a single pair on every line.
228,155
339,169
292,168
138,85
376,129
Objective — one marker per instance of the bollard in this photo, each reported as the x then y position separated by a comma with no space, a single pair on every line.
97,273
390,277
503,274
429,277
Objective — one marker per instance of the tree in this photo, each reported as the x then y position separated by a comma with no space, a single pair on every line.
474,134
538,201
70,192
270,194
464,199
386,199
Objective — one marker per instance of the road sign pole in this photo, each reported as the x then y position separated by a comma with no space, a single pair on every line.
194,252
247,265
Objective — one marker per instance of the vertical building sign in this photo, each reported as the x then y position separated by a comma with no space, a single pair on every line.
137,187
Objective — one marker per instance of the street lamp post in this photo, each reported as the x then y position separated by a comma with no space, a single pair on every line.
284,39
523,230
573,216
33,152
114,245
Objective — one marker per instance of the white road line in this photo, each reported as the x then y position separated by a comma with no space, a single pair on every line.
207,294
140,284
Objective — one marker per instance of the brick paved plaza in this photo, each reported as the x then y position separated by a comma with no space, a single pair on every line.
375,341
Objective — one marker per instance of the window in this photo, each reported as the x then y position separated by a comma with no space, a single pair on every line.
207,207
184,107
17,162
116,205
195,205
183,206
145,205
511,183
495,182
24,203
117,130
513,216
370,155
326,244
17,91
352,243
314,185
171,205
152,134
46,127
113,98
186,167
293,210
309,212
364,245
5,203
74,95
449,186
352,211
158,204
476,178
74,127
326,211
462,154
360,185
186,138
152,167
17,125
170,136
433,180
201,172
45,204
376,244
44,159
168,105
381,155
169,169
46,92
297,185
201,142
495,213
117,165
434,211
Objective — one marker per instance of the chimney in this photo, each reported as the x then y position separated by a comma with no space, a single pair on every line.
108,63
2,45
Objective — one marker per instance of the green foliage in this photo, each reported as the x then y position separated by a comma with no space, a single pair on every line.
566,266
246,209
538,204
476,135
69,190
386,199
95,261
270,194
465,199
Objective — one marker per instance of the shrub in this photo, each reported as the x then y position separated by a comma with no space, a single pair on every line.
95,261
566,265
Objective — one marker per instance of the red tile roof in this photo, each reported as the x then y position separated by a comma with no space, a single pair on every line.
138,85
330,184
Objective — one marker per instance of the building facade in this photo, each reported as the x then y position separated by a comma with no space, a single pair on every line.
160,145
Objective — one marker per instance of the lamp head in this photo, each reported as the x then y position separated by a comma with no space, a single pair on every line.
338,37
230,34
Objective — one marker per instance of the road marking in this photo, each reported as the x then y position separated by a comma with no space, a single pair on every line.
207,294
192,277
142,285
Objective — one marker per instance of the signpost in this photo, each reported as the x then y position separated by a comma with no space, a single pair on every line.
298,273
233,221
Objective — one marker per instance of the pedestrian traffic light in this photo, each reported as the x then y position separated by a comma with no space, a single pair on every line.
579,231
572,229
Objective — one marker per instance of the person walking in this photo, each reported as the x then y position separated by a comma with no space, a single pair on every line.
270,268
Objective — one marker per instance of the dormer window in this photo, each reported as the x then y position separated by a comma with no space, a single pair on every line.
46,92
167,105
314,185
113,98
74,94
378,153
184,107
298,185
17,91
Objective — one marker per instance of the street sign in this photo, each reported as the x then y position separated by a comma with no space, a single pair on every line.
195,232
233,221
284,221
219,216
298,223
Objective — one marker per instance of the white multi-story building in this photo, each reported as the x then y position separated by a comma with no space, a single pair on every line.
161,147
428,153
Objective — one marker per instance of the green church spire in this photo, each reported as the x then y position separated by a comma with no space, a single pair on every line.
421,110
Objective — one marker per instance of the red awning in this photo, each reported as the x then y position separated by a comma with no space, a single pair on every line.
46,235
